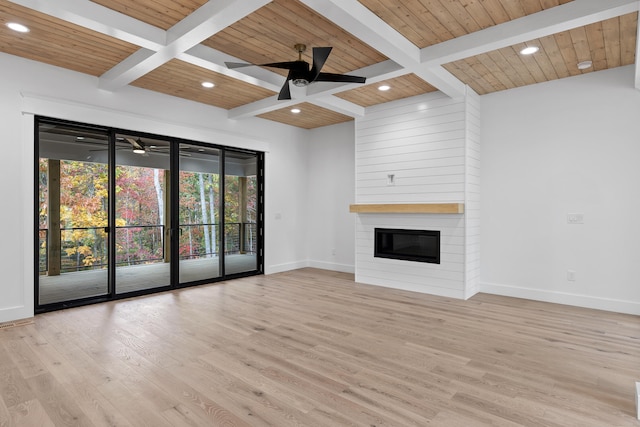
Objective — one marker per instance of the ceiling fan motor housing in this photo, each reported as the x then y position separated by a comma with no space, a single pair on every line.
300,74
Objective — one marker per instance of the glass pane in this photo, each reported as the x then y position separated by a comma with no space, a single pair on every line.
142,200
240,213
73,211
199,217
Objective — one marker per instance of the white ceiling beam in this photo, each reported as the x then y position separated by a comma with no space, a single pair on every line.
550,21
368,27
339,105
102,20
443,80
271,104
260,107
212,59
321,98
356,19
207,20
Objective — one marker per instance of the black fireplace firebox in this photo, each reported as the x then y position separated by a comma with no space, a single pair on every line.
408,245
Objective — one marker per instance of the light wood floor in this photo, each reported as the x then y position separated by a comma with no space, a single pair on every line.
313,348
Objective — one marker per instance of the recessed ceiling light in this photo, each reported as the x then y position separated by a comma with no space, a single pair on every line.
139,150
295,110
584,65
79,138
18,27
384,87
208,85
529,50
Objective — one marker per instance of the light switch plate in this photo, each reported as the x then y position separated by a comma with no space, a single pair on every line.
575,218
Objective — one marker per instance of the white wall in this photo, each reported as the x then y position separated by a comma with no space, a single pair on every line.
568,146
472,194
28,88
286,212
331,189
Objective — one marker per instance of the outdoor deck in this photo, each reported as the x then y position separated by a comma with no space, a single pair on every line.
90,283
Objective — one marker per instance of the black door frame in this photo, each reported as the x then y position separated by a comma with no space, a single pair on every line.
174,219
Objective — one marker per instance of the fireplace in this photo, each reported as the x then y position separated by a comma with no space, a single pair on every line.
408,245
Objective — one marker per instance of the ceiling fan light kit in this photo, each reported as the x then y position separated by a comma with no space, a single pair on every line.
301,74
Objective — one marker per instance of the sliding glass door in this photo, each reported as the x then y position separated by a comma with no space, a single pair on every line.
73,200
241,212
199,213
142,248
122,213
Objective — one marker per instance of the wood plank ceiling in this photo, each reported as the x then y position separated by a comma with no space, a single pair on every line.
413,46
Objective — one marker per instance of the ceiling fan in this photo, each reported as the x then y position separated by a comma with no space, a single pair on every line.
299,72
137,146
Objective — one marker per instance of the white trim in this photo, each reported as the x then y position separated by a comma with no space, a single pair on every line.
565,298
12,314
323,265
280,268
68,109
333,266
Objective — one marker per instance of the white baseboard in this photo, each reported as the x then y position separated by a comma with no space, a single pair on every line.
333,266
607,304
638,400
11,314
280,268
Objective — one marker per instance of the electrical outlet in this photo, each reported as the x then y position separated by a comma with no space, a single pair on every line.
571,275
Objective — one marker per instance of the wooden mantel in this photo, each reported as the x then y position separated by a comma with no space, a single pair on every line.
422,208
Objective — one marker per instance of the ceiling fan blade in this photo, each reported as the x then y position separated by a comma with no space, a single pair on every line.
284,65
320,55
331,77
285,92
137,144
232,65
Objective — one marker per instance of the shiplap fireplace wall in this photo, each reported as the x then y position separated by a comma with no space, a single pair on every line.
423,149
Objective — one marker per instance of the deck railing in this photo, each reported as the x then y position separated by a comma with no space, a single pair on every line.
85,248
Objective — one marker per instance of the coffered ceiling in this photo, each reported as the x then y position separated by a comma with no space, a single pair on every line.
413,46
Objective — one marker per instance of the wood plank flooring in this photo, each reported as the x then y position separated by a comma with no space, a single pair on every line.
313,348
